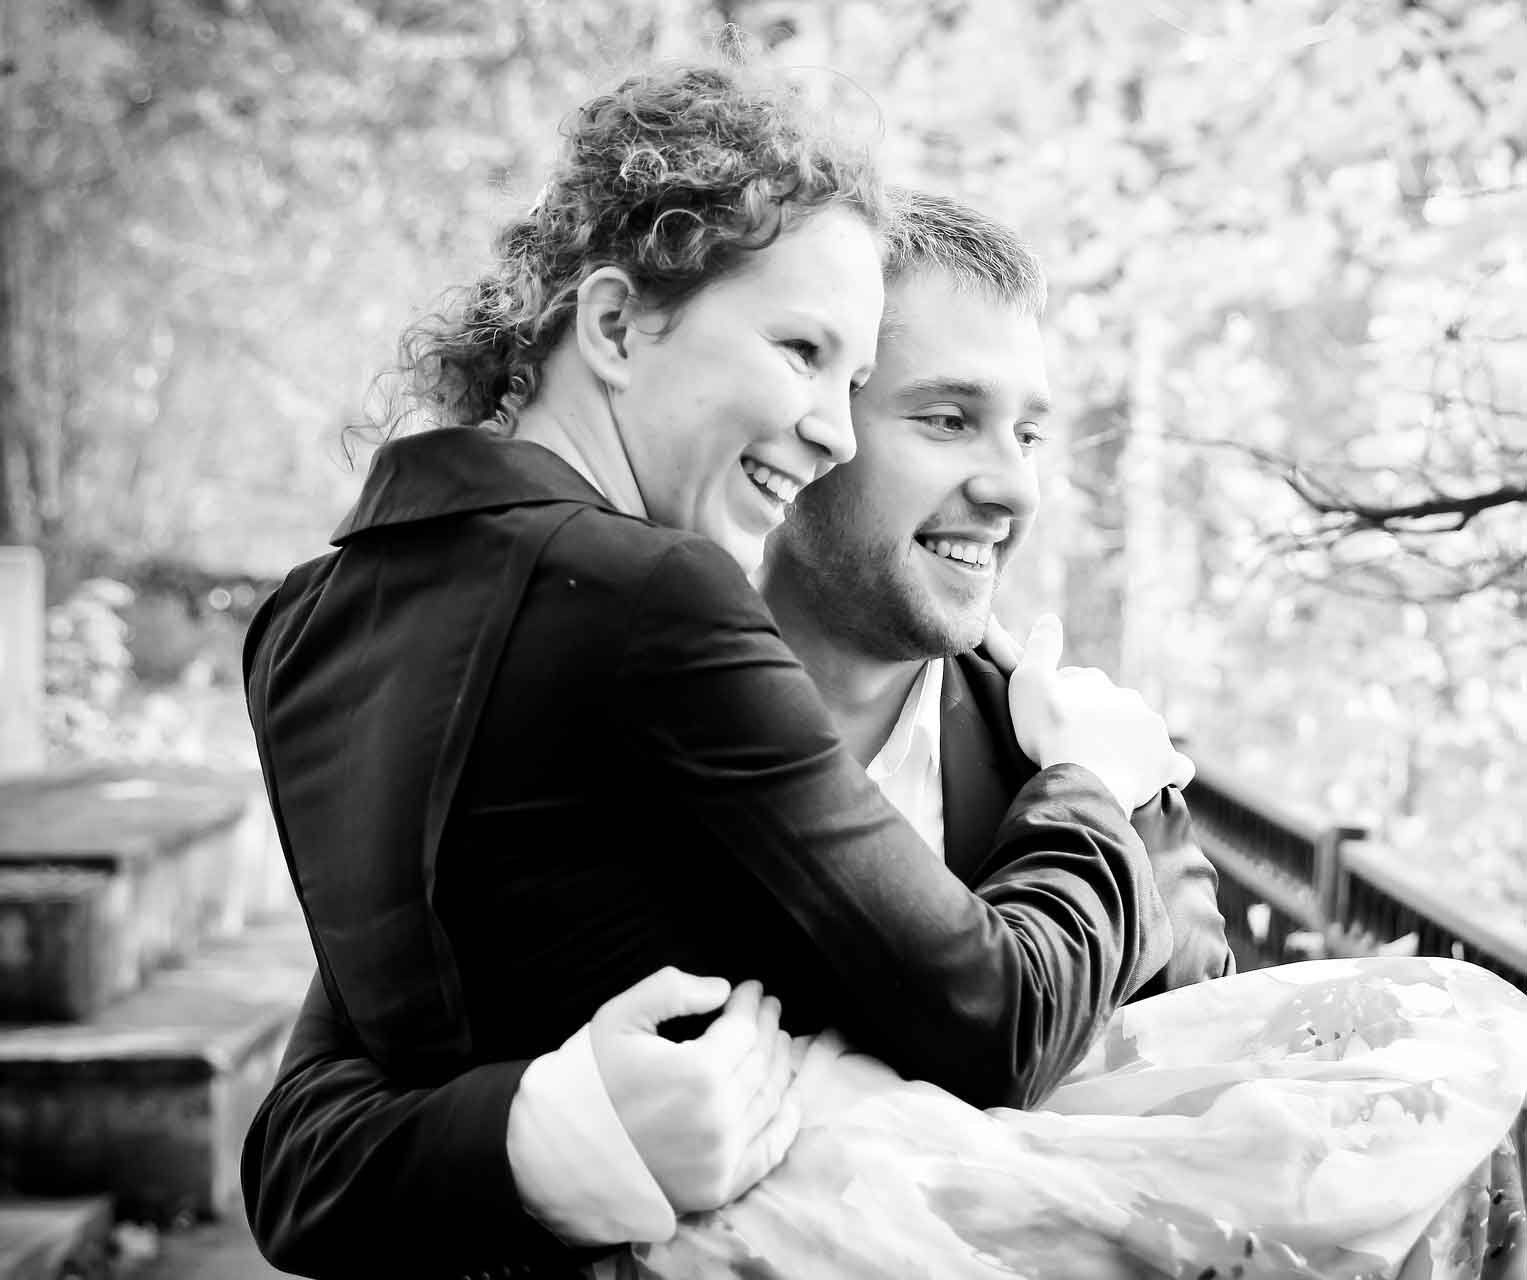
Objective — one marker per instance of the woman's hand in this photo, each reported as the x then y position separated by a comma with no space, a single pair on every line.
1005,652
710,1116
1077,715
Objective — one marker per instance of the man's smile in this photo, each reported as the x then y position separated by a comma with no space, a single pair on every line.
974,555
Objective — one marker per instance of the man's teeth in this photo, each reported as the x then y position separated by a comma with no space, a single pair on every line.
972,553
776,482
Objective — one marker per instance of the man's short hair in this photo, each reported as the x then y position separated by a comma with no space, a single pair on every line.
933,232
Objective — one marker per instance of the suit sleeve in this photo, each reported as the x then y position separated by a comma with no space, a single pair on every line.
346,1173
1189,887
993,995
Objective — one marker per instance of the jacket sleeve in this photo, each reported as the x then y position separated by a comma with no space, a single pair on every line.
1189,886
993,995
343,1172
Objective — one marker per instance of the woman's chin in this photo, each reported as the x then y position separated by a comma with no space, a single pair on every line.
746,549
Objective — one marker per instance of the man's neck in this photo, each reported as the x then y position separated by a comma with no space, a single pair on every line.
864,695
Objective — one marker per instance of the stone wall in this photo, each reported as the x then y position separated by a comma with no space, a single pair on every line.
23,746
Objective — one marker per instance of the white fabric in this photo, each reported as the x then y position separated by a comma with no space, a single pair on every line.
908,769
573,1163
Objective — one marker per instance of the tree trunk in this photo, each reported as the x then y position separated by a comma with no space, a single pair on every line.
1145,606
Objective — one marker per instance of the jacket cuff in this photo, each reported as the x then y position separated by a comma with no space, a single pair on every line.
576,1168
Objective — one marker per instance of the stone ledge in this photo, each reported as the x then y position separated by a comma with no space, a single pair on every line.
185,854
99,816
53,1239
54,943
149,1101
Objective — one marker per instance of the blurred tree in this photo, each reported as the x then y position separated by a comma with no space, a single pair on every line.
1288,318
223,213
1287,332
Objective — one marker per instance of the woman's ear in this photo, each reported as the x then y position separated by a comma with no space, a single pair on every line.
607,310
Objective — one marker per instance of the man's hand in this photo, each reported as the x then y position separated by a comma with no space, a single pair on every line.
711,1116
1077,715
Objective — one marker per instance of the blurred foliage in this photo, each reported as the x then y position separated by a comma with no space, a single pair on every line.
134,678
1288,330
87,667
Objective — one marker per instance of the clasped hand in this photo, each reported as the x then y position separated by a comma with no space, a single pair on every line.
710,1116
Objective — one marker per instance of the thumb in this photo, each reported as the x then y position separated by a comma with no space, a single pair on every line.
1001,648
1041,651
668,993
1183,770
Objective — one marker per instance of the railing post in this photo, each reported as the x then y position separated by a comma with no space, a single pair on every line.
1330,872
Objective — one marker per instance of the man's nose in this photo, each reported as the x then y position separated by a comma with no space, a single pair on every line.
830,426
1006,479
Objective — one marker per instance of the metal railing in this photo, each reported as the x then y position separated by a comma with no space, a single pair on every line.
1283,870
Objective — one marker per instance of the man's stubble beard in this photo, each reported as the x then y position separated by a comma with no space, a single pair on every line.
871,602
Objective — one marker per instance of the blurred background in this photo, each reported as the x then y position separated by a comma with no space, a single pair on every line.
1287,485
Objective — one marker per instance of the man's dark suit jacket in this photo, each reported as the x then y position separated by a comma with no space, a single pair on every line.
983,768
470,794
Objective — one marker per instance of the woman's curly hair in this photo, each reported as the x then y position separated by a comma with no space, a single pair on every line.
673,177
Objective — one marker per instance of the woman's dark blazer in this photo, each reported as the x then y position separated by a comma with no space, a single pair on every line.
475,714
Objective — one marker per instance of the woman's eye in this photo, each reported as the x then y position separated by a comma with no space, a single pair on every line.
804,350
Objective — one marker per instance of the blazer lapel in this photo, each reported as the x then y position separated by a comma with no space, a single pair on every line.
981,766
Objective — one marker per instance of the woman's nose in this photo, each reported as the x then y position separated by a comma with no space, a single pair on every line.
830,427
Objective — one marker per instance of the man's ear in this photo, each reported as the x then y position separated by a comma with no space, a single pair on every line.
607,310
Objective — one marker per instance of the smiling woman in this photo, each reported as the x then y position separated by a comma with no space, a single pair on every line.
683,314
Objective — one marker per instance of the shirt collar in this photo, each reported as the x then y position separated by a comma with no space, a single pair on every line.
914,740
455,470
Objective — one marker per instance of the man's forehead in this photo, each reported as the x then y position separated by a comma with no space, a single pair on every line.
938,336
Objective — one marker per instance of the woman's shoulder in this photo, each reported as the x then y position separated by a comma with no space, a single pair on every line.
664,566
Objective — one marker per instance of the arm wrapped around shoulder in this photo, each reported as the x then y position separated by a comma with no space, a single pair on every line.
994,995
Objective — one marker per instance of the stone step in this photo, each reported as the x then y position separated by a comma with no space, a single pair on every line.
149,1100
106,874
55,1239
55,961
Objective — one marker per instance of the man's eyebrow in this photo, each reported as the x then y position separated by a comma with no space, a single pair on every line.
963,388
968,389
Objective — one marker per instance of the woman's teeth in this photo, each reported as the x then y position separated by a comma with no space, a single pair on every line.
977,554
776,482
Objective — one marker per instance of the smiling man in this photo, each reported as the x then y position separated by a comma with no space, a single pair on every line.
883,575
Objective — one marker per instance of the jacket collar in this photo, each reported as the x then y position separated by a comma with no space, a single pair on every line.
982,765
456,470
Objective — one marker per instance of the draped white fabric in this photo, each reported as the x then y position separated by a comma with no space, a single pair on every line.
1331,1118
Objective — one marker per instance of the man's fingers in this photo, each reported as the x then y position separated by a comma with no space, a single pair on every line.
1183,770
668,993
1041,651
1005,652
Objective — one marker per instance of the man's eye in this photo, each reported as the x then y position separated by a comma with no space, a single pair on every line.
948,423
